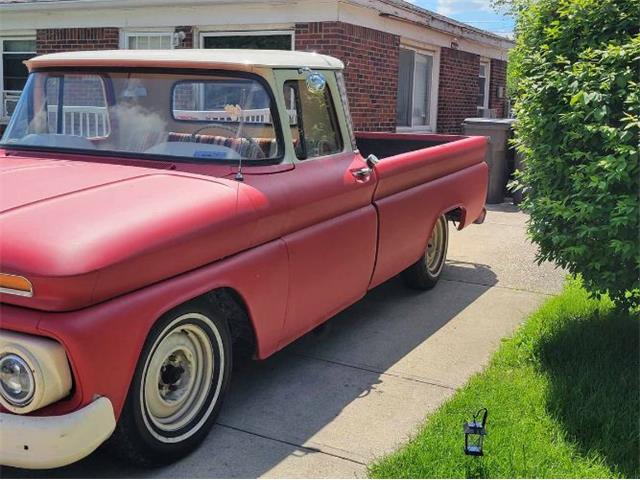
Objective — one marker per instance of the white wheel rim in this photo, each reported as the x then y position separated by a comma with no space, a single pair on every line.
436,247
178,377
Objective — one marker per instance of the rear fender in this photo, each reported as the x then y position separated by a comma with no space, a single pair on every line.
406,218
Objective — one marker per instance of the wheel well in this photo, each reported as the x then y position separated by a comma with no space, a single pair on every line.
456,215
231,305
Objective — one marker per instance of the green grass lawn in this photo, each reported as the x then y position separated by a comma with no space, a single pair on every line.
563,397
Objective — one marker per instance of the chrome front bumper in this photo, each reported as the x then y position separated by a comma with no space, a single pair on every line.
50,442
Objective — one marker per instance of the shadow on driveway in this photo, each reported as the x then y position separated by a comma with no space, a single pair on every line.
275,406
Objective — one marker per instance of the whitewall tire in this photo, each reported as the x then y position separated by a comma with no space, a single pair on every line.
178,387
425,273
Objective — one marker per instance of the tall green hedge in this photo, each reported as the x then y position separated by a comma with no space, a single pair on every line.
575,78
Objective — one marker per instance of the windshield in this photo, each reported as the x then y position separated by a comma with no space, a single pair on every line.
198,117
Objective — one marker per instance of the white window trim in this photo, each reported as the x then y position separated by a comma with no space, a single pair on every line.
125,35
434,53
487,72
247,33
3,117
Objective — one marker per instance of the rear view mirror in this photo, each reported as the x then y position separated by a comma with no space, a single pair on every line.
136,91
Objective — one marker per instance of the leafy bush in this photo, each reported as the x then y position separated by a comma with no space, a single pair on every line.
575,73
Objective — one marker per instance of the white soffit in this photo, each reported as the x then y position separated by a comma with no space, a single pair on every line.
237,15
162,13
414,31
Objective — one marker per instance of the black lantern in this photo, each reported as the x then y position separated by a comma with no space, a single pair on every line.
474,433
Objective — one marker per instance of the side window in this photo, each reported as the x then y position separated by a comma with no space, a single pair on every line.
313,121
342,87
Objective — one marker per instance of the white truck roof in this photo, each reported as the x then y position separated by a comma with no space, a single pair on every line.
187,58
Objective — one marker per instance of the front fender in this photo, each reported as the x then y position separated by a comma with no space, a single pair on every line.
103,342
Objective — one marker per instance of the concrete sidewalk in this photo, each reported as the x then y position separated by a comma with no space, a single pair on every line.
333,401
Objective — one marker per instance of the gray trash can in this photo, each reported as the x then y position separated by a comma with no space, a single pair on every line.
499,132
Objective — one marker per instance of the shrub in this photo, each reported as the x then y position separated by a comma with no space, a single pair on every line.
575,74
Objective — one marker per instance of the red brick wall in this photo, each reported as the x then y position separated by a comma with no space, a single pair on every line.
498,76
371,59
52,40
371,73
458,89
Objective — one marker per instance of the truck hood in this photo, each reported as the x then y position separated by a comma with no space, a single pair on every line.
83,232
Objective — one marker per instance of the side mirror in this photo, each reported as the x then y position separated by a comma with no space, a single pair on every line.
316,83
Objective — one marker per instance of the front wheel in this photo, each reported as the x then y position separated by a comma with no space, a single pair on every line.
425,273
178,387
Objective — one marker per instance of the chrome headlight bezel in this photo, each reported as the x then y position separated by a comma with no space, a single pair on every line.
7,393
48,363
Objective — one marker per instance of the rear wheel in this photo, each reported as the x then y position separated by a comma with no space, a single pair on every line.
425,273
178,387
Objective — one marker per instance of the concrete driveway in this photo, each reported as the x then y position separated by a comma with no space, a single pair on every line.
331,402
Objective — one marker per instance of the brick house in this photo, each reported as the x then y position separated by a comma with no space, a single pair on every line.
407,69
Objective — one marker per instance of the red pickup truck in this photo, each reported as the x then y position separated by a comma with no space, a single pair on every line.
163,210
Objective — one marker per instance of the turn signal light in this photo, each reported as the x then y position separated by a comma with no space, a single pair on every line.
15,285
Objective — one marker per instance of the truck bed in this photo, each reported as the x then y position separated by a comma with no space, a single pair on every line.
409,160
383,144
420,177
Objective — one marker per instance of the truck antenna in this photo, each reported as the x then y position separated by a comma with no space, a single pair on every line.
239,177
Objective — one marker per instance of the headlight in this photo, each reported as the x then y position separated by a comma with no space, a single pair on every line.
17,384
34,372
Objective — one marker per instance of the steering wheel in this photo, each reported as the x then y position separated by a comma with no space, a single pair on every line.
221,126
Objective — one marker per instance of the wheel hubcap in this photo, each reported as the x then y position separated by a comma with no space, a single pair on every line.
175,377
178,377
434,256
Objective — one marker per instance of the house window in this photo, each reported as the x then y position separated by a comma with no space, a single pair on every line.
483,85
148,40
13,73
415,80
261,40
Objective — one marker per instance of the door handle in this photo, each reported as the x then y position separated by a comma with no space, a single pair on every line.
362,173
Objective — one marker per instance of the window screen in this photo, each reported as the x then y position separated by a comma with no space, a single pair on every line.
149,41
259,42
